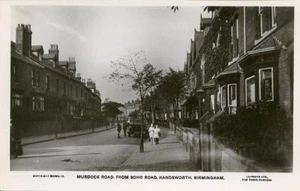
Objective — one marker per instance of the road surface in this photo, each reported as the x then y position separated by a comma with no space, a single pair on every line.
103,151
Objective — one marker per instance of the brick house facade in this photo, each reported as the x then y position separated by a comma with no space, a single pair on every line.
245,55
41,83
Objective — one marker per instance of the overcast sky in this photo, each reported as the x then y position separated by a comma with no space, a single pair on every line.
97,35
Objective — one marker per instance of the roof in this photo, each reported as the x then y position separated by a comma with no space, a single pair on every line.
36,48
205,22
13,45
210,8
200,90
199,38
209,84
232,69
49,56
63,63
258,51
25,59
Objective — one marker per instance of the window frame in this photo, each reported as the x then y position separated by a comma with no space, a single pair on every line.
15,73
273,26
228,97
246,94
273,17
223,106
38,103
260,85
47,82
237,36
32,78
14,98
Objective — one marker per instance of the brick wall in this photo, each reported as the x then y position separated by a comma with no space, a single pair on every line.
286,79
251,26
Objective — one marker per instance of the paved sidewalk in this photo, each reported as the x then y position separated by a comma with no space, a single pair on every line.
168,155
42,138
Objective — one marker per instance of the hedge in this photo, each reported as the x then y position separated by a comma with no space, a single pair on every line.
262,131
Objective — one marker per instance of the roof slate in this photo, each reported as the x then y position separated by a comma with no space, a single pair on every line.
232,69
49,56
25,59
35,48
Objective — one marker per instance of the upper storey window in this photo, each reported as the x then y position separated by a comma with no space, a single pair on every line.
234,42
267,19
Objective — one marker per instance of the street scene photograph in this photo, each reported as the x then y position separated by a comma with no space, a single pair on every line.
151,88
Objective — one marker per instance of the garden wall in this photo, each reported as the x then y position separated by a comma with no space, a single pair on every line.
209,155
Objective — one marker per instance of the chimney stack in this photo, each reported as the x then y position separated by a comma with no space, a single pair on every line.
72,66
54,50
78,77
23,39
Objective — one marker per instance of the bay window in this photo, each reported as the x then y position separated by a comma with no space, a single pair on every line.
223,97
232,98
250,90
17,100
266,84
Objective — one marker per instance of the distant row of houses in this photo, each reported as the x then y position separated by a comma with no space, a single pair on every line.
42,83
240,55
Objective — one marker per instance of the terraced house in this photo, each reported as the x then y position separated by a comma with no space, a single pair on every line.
241,56
45,88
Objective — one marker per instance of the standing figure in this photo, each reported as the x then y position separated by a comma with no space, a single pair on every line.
151,133
119,130
125,128
17,125
156,134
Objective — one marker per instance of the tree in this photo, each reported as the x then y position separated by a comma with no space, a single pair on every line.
134,114
111,110
174,8
141,76
169,91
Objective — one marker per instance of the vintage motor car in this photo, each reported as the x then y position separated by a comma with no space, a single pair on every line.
134,129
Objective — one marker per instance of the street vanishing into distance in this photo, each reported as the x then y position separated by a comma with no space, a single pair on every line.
103,151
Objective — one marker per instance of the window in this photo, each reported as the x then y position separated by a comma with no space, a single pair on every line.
57,85
234,42
266,85
38,79
250,90
231,43
212,102
237,37
267,19
76,91
32,78
38,103
65,88
232,98
223,97
71,90
72,109
17,100
48,82
15,73
35,78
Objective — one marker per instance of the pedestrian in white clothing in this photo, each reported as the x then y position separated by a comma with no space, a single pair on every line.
151,133
156,134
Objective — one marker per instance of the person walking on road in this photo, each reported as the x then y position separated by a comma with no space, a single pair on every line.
151,133
125,128
119,130
156,134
